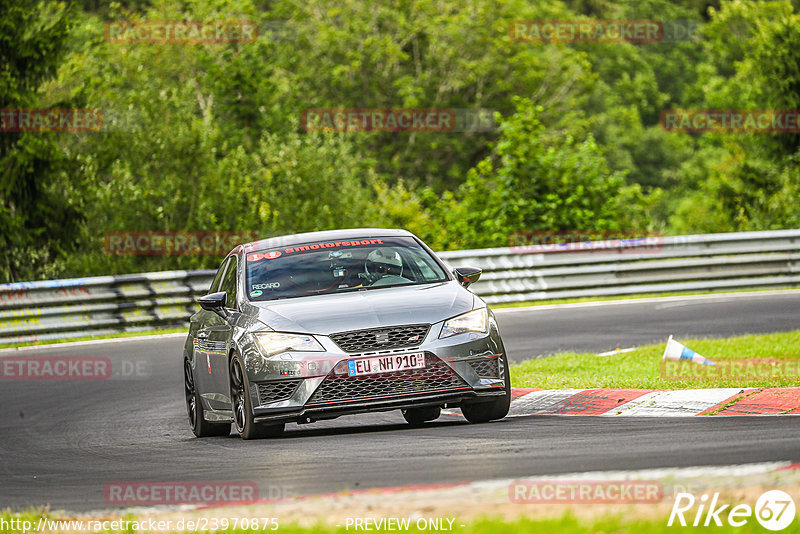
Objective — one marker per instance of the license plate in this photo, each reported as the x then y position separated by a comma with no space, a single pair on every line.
386,364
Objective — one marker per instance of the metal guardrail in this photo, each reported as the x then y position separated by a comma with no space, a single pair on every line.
55,309
75,307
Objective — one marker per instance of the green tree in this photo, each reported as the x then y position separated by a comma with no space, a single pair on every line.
540,181
38,219
755,47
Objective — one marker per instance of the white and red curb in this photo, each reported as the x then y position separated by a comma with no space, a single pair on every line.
656,403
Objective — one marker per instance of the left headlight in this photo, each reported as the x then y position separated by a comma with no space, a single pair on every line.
272,343
473,321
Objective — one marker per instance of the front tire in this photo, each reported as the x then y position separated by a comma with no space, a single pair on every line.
242,407
483,412
194,409
418,416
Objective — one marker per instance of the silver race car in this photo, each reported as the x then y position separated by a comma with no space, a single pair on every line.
318,325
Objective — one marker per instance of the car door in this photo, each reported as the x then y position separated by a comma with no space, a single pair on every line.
197,324
212,343
220,334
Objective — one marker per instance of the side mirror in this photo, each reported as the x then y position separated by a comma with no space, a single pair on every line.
214,302
467,275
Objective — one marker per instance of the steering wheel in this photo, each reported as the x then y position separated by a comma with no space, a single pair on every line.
305,289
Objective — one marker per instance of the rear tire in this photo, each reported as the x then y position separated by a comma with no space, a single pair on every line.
483,412
242,407
418,416
194,409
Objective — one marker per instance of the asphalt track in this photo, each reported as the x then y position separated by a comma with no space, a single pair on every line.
62,442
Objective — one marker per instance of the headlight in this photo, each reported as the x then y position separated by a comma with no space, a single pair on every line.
474,321
272,343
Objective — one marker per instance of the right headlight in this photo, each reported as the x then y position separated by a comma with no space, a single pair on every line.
272,343
472,321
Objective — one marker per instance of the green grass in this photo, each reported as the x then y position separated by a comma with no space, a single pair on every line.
641,368
92,338
567,523
626,297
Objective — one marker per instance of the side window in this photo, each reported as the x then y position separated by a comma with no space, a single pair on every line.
218,277
229,283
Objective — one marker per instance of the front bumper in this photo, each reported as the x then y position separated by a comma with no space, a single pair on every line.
309,386
320,412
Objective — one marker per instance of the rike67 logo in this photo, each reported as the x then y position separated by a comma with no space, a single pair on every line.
774,510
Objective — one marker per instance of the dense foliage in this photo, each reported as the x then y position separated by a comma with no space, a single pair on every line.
208,137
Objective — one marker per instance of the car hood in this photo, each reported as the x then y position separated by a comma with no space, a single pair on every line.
371,308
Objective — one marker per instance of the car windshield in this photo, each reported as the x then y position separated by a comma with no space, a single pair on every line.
339,266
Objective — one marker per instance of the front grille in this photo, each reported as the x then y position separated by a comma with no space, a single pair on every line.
436,376
381,338
276,390
486,367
